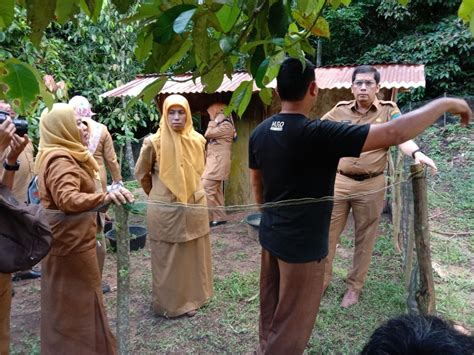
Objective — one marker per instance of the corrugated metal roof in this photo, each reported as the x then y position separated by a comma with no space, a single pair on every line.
391,76
179,84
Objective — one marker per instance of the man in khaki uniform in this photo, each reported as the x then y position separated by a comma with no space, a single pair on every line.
360,182
220,135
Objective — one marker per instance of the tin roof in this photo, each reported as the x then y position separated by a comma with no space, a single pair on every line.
337,77
391,76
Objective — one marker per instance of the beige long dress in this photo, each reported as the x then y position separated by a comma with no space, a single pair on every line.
180,244
73,319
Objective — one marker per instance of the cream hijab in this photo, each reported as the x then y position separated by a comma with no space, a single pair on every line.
181,153
58,130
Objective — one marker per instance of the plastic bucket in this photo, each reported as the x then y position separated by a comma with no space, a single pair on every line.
253,223
137,236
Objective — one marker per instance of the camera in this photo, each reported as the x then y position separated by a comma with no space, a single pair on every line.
21,124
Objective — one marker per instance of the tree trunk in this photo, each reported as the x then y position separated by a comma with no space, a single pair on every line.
123,279
425,296
129,158
319,53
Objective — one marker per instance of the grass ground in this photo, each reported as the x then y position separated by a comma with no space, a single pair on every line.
229,322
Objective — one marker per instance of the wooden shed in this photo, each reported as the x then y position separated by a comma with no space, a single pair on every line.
334,85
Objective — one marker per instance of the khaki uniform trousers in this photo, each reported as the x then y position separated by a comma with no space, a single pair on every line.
290,295
366,200
215,198
5,306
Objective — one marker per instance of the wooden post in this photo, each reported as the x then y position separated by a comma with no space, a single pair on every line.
425,296
123,279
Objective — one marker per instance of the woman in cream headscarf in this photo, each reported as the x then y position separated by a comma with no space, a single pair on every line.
220,134
73,319
169,169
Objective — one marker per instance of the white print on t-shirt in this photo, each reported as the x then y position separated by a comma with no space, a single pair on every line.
277,126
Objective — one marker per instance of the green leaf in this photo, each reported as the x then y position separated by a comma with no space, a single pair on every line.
266,95
164,24
302,5
153,89
403,2
146,10
20,85
7,8
92,8
320,28
241,97
183,20
178,55
213,78
278,19
144,45
276,41
262,70
64,9
466,10
257,58
123,5
228,16
39,14
200,39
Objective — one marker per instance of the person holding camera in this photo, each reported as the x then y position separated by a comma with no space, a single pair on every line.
15,145
24,165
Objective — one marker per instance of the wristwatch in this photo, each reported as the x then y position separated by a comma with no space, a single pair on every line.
416,151
9,167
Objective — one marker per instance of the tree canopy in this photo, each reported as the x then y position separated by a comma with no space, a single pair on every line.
208,38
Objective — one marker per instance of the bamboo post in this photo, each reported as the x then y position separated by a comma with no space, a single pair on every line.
425,296
123,279
397,201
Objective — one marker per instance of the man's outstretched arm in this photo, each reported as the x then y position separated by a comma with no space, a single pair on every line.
413,123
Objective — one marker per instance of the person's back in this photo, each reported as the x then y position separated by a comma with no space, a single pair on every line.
298,158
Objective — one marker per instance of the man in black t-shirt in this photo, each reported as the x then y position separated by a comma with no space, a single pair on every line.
293,158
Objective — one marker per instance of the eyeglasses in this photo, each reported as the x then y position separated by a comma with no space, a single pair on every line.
368,83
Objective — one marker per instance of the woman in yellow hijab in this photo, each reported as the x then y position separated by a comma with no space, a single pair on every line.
73,319
169,169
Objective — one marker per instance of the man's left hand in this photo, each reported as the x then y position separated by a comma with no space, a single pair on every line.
421,158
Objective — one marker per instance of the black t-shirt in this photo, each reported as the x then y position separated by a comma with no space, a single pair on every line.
298,159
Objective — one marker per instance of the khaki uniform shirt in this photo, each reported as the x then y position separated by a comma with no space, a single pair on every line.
220,137
172,224
24,174
380,112
105,156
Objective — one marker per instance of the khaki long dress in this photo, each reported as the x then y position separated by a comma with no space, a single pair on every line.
73,319
180,243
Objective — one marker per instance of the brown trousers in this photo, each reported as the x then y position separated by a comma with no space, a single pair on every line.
215,198
366,200
290,295
5,306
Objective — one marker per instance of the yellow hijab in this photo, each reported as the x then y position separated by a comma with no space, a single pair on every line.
181,153
58,130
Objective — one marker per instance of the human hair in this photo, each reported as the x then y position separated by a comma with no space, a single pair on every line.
366,69
293,80
420,335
